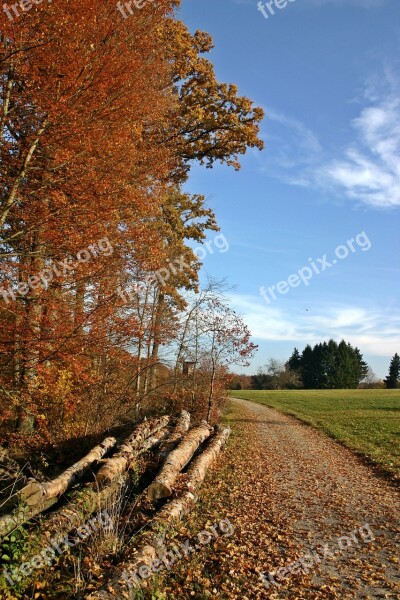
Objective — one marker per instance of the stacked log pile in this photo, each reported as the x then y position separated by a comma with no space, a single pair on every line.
180,457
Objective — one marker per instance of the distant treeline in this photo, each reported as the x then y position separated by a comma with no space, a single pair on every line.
327,365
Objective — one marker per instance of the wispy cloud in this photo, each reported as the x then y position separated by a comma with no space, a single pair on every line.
261,248
370,169
375,332
367,171
306,138
291,148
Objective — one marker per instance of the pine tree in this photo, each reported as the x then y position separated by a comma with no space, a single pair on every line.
331,366
309,368
392,381
362,367
294,362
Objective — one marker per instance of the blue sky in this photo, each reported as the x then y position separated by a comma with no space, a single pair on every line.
327,73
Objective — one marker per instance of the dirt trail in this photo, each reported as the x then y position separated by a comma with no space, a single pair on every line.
289,490
324,493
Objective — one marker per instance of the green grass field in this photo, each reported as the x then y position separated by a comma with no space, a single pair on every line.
367,421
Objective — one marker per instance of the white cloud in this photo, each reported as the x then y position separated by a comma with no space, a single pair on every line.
374,332
292,148
367,171
307,140
370,170
267,250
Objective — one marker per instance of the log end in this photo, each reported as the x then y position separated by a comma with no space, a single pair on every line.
33,488
157,491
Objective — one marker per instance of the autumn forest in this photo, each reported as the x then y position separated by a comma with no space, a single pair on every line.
103,320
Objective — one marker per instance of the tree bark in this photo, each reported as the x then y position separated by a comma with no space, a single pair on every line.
180,429
37,493
10,201
156,340
38,497
11,521
176,461
81,506
129,450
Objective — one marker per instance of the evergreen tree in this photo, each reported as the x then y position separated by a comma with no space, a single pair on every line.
345,367
319,366
294,362
331,366
309,371
362,366
392,381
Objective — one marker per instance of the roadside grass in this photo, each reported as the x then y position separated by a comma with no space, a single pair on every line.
367,421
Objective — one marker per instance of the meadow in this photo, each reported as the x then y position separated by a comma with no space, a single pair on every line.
367,421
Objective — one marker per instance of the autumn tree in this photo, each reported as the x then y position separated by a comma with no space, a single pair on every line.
210,122
91,209
75,169
226,342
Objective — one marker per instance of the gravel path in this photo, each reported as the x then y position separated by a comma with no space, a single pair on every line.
304,510
331,503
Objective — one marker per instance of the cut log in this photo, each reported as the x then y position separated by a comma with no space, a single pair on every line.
37,497
181,428
21,515
129,450
171,442
26,512
38,493
126,581
176,461
82,505
195,476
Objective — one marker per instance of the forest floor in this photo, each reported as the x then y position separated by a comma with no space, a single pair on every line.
308,519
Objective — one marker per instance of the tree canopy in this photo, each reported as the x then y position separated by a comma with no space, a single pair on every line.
100,124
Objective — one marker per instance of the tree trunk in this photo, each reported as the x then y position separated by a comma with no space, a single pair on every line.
82,504
69,518
211,394
156,340
31,349
38,497
88,500
176,461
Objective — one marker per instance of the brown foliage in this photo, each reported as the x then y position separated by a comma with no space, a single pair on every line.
101,118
